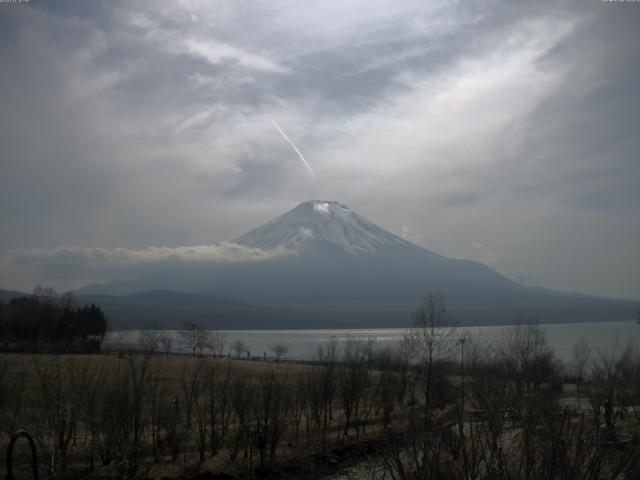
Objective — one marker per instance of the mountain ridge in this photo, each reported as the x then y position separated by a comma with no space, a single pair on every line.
170,310
350,270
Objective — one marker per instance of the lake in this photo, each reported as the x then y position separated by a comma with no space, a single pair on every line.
303,344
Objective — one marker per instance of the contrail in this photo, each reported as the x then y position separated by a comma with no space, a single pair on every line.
284,135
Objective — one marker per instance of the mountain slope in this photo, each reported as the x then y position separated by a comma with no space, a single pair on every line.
350,271
7,295
169,310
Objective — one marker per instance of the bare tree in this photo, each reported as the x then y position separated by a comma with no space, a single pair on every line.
217,404
269,412
328,357
430,341
580,356
279,350
149,341
614,375
217,342
137,396
190,385
45,293
56,415
299,403
528,356
239,347
160,394
387,384
195,338
242,391
166,342
353,378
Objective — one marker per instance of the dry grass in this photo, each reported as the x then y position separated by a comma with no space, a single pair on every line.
35,386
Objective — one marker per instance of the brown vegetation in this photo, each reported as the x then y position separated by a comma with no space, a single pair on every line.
494,413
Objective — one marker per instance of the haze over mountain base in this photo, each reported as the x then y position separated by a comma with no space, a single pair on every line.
343,271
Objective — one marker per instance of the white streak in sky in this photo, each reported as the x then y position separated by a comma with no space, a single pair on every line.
284,135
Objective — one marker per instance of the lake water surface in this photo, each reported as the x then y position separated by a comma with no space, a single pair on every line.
303,344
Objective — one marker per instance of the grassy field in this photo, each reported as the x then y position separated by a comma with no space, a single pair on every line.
162,415
133,415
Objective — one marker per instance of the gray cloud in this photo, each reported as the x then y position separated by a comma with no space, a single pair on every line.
74,265
508,124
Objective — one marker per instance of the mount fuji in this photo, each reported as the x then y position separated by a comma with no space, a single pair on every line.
340,270
321,222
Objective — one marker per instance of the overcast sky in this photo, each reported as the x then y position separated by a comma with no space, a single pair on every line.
504,132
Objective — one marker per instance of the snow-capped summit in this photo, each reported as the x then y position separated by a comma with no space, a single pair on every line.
323,221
